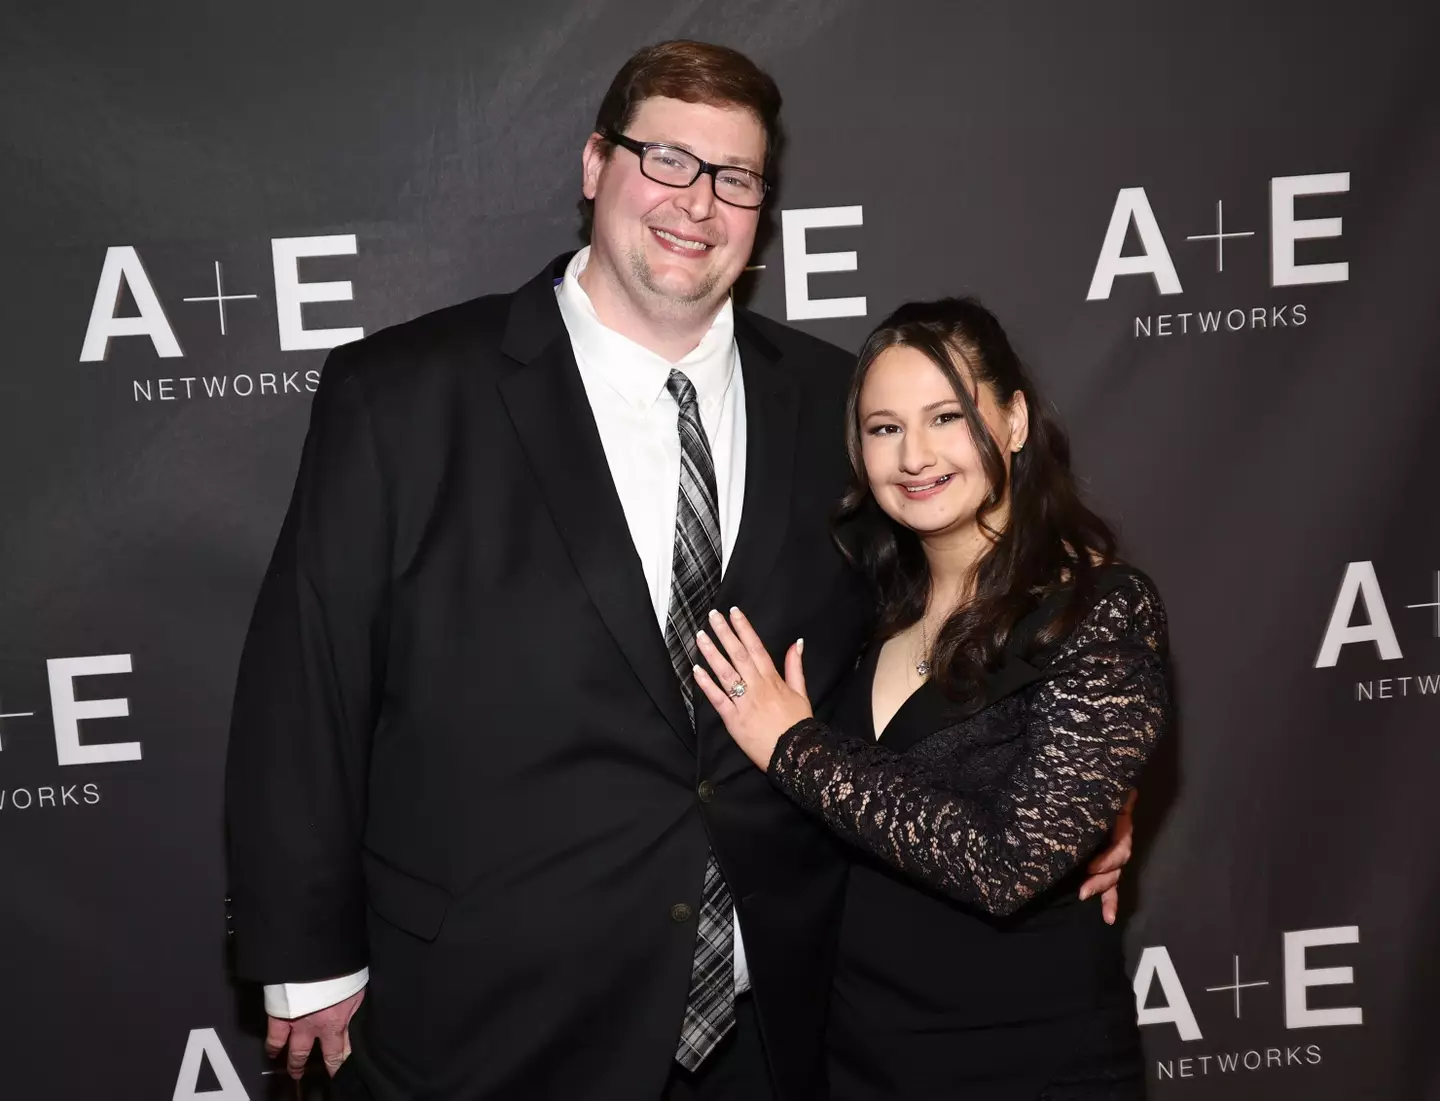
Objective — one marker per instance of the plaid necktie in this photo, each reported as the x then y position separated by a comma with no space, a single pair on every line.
710,1009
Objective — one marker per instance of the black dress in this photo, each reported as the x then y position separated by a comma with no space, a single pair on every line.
968,968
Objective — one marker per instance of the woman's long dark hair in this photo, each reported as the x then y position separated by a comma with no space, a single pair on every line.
1051,542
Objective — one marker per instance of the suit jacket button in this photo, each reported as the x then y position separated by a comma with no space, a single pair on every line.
681,913
706,790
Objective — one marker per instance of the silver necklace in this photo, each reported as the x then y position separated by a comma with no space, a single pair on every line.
923,665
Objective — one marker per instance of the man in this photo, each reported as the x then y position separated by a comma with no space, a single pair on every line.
487,840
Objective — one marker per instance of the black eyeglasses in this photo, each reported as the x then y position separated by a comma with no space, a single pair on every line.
675,167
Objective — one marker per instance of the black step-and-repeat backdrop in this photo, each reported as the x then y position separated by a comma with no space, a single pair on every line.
1211,227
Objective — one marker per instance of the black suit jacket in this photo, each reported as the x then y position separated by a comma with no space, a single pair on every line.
459,754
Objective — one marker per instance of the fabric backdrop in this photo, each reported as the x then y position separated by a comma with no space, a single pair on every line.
1209,226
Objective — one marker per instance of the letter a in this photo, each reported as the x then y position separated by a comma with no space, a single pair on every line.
204,1043
123,262
1154,261
1155,963
1359,581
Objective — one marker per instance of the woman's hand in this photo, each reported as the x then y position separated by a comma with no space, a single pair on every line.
1105,869
768,705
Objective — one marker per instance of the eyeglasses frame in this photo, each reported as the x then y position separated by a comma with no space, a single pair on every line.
640,148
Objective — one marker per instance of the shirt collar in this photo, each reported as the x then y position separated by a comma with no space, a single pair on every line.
635,372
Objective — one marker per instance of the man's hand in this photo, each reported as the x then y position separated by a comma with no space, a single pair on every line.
331,1026
1105,869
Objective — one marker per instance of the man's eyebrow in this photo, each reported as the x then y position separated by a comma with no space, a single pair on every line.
736,159
740,161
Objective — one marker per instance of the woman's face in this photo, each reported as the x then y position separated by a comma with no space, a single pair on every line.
924,469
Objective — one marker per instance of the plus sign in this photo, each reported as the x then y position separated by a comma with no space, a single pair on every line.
12,715
1219,235
1433,604
1236,986
220,297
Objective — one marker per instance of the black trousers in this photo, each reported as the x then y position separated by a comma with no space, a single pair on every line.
734,1071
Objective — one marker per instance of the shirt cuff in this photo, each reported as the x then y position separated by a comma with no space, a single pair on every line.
297,999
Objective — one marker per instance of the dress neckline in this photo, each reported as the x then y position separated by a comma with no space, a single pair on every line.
871,666
928,709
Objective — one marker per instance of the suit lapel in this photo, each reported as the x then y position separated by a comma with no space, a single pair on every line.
548,406
772,404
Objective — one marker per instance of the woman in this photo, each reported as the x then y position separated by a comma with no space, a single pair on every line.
986,741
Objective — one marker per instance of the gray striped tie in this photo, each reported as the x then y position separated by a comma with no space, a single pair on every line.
710,1009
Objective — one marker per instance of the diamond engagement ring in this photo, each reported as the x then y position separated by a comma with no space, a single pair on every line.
737,689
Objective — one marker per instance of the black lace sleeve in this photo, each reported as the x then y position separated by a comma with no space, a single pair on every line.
1088,730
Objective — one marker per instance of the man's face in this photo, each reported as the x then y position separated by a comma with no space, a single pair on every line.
674,250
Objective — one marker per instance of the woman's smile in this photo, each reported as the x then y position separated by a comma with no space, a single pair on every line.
930,487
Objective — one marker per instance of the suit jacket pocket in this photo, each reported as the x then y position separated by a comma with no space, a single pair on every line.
406,901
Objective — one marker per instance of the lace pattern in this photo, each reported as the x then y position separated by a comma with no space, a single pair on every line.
997,808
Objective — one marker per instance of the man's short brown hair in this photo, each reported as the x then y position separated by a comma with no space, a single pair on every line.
695,72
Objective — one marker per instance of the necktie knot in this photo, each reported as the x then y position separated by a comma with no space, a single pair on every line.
682,390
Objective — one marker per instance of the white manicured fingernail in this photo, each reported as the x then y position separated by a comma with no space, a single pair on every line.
702,637
799,645
714,614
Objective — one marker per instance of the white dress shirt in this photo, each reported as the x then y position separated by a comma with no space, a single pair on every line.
638,424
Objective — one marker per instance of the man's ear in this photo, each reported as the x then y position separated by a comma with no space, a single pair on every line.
592,163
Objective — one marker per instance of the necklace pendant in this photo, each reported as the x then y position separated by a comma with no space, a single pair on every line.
922,667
